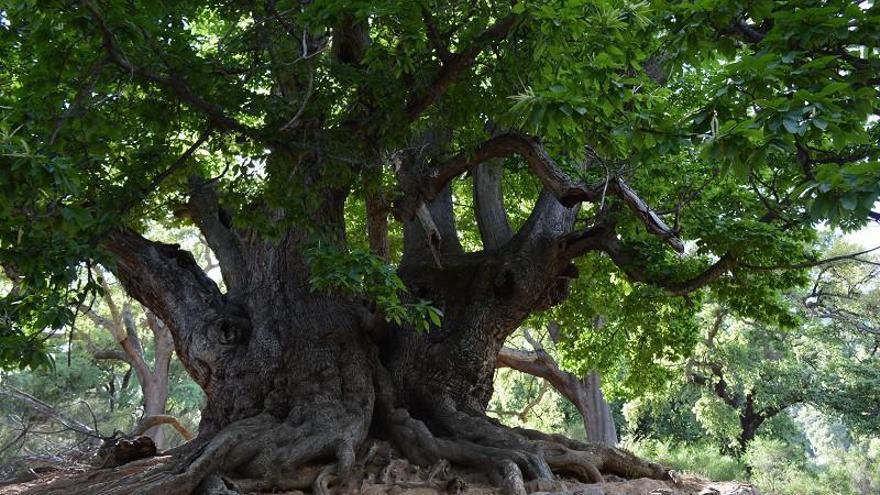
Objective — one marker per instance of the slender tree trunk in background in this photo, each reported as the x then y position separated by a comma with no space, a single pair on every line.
598,421
153,382
585,393
156,386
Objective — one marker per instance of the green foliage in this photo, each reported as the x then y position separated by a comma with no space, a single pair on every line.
698,458
360,273
780,469
630,332
741,142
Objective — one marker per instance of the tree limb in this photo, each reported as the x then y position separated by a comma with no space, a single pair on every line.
176,85
48,411
811,264
455,64
152,421
565,189
489,206
216,226
626,260
169,282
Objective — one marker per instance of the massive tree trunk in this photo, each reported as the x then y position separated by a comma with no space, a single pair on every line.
295,377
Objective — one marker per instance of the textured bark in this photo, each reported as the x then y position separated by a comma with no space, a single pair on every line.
377,225
293,377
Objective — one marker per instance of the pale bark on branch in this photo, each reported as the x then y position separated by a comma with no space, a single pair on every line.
564,188
585,393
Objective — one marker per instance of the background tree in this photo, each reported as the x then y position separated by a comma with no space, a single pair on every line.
264,124
585,393
121,324
748,374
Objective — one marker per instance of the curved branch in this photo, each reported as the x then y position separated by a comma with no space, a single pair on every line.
584,393
536,363
565,189
169,282
152,421
626,260
456,63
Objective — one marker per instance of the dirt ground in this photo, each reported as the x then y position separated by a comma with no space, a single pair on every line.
392,476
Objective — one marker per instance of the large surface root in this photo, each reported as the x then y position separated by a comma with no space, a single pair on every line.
261,453
510,457
315,449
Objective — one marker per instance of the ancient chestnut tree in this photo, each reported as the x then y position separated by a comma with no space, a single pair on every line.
392,188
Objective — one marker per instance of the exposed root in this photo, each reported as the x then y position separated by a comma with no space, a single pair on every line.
511,456
314,449
321,486
567,455
261,453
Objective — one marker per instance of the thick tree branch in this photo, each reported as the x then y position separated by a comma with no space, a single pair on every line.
565,189
216,225
131,345
489,206
536,363
163,345
169,282
455,64
172,82
435,37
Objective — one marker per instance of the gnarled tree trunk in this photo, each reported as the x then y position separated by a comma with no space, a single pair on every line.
295,377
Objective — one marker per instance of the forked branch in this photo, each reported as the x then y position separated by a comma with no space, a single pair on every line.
456,63
567,190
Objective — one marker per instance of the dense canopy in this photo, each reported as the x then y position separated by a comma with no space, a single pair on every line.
417,180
